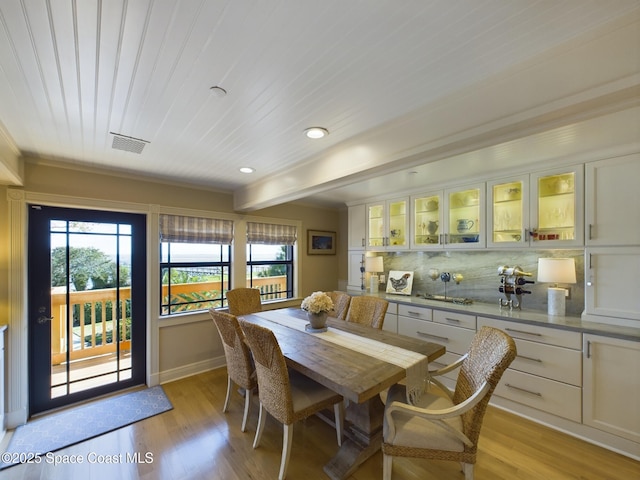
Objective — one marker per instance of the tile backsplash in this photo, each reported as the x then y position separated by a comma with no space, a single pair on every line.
480,279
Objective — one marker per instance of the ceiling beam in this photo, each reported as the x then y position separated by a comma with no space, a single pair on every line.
556,88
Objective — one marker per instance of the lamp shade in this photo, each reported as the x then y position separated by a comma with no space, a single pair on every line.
556,270
373,264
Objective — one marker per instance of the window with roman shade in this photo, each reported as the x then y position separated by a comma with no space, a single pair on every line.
270,259
271,234
195,263
181,229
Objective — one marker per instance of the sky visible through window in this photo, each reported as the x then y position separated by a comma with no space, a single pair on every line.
102,236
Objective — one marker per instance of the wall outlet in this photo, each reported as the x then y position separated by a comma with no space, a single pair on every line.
381,279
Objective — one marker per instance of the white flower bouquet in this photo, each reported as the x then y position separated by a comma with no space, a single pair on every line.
317,302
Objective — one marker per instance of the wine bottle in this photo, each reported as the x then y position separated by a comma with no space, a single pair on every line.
512,289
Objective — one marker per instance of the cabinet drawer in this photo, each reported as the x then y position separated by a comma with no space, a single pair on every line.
547,395
536,333
390,323
455,339
392,308
422,313
455,319
549,361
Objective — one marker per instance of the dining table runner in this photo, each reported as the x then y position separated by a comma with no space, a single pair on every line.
415,364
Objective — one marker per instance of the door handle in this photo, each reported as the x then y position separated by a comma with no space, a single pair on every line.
43,319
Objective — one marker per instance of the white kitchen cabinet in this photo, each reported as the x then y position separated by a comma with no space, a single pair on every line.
453,218
543,209
612,201
464,217
357,218
557,207
453,330
611,291
356,278
508,212
391,318
427,223
387,225
546,374
611,387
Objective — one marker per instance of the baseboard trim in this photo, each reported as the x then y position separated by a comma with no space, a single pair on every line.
191,369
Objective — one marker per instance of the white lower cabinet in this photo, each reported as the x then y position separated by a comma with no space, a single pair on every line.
546,374
583,383
456,339
391,318
547,395
611,386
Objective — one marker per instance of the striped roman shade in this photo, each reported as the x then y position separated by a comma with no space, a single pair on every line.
177,228
271,234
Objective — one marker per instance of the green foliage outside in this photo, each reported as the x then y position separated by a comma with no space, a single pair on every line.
109,333
87,264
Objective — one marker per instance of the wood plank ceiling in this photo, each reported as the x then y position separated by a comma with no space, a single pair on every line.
386,78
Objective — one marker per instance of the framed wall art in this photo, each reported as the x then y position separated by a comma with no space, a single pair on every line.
321,243
399,282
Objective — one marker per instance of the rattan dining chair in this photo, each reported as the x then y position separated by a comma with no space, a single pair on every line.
367,311
447,427
286,394
240,368
243,301
341,302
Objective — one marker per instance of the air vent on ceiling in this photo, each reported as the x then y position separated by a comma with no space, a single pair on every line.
128,144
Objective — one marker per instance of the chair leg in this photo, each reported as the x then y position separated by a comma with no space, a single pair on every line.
467,468
387,466
287,439
226,400
338,410
261,420
247,404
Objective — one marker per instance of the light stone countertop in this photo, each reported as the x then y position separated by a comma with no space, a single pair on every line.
532,317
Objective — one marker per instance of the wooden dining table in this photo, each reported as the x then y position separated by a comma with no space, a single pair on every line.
358,377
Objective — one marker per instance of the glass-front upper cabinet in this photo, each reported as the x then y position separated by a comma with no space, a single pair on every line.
464,217
541,209
508,212
387,225
427,221
557,211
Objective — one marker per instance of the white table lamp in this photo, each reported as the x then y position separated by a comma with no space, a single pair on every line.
373,265
556,270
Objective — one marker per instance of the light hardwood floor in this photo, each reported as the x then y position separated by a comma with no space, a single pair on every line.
197,441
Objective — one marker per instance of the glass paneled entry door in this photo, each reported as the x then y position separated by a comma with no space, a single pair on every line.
87,308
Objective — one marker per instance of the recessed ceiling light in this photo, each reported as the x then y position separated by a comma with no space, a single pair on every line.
316,132
218,91
247,169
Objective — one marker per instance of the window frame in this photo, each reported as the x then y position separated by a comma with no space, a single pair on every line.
225,283
289,264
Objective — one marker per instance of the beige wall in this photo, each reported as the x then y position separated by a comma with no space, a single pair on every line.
192,345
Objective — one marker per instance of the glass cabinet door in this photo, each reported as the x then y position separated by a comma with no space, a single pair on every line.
558,207
376,236
508,212
398,235
387,224
465,217
426,221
